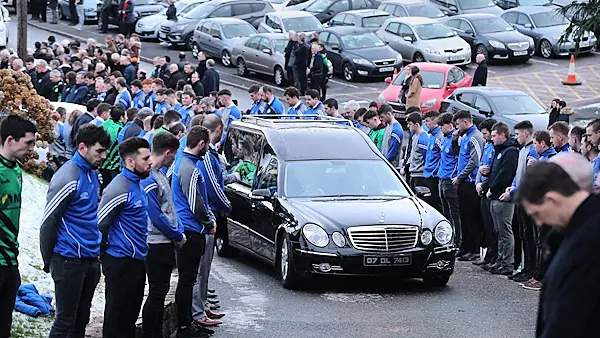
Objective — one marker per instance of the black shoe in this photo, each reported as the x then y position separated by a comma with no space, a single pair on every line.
191,332
211,296
461,253
479,262
215,307
213,301
522,277
501,271
488,267
469,257
210,290
201,328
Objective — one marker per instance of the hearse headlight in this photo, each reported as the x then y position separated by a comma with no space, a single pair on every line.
338,239
315,235
443,232
426,237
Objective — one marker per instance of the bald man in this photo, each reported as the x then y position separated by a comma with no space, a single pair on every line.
175,76
480,76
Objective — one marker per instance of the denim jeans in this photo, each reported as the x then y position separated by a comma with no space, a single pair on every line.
449,199
75,282
80,15
188,262
159,265
502,216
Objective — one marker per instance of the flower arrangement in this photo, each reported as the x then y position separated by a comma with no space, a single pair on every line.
18,97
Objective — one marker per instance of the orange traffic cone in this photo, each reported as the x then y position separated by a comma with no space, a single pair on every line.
572,76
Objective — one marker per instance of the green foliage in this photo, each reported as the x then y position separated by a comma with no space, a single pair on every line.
583,16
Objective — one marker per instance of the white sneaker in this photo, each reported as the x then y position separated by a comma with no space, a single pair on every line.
78,26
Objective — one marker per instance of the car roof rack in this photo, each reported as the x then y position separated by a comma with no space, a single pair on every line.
277,119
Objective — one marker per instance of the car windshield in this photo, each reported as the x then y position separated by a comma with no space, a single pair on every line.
475,4
319,6
179,5
342,178
431,80
145,2
534,2
374,21
280,45
433,31
200,12
517,104
360,41
495,25
549,19
302,24
276,1
424,10
238,30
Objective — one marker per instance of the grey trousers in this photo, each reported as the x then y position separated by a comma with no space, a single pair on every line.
80,14
502,216
200,298
449,200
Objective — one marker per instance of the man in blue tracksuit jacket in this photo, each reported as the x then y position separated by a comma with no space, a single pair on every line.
220,207
138,94
78,94
163,232
273,105
392,137
123,222
448,169
193,213
314,105
433,156
229,113
257,104
469,150
69,235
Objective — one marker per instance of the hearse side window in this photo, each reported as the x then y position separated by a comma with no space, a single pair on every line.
242,151
268,176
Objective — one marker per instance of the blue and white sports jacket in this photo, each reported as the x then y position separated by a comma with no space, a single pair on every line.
124,99
448,159
316,110
162,221
138,100
215,186
434,151
298,109
469,149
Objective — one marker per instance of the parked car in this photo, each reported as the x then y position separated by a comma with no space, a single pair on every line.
217,37
148,27
181,31
507,4
142,9
439,81
571,13
454,7
505,105
402,8
283,22
357,52
365,18
545,26
90,10
282,5
320,199
264,54
324,10
425,40
491,36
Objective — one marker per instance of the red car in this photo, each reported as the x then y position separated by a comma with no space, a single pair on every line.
440,80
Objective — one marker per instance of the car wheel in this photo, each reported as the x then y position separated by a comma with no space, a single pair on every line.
418,57
285,264
223,248
226,58
242,70
279,76
348,72
195,50
436,281
188,43
481,49
546,49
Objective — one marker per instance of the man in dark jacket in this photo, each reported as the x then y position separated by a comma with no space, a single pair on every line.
290,58
30,65
137,124
480,76
570,299
129,72
90,81
197,85
171,11
43,85
176,75
303,55
80,91
316,68
57,85
500,177
211,78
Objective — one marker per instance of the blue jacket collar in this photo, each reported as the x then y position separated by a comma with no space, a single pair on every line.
130,175
435,130
191,156
138,94
81,162
565,148
548,152
471,130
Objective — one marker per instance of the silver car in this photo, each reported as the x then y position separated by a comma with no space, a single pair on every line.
216,37
148,27
263,54
283,22
90,10
546,26
425,40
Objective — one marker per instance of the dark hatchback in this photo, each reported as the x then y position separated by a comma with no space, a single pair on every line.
143,8
324,10
504,105
357,52
491,36
318,198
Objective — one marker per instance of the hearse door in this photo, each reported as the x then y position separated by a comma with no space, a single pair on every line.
264,214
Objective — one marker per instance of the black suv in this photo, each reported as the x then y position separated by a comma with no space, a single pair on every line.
317,197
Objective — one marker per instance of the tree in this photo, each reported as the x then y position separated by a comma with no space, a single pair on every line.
584,17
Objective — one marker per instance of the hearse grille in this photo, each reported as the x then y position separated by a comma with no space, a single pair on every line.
384,238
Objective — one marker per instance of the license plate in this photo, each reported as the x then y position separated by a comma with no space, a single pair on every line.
387,260
520,53
455,58
386,69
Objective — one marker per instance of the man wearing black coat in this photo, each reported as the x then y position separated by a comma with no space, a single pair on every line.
570,298
316,68
211,78
303,56
43,85
480,76
197,85
175,76
290,58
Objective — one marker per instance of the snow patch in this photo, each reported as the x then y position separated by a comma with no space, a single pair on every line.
351,297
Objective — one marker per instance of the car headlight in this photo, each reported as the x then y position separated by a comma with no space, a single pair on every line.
426,237
429,103
361,61
338,239
443,232
381,99
496,44
399,59
148,25
531,42
433,51
315,235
